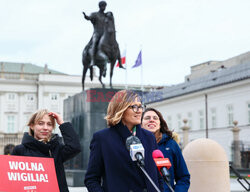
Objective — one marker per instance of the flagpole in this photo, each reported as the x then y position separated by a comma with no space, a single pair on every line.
141,73
142,88
126,73
126,77
138,63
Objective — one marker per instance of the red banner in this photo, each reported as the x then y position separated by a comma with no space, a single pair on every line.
28,174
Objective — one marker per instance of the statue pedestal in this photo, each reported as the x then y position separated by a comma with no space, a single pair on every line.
86,111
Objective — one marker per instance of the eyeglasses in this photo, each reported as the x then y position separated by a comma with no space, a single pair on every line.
136,108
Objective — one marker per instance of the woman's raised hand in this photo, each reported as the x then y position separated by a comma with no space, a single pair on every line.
57,117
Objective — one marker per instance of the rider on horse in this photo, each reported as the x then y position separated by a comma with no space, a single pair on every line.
103,47
98,21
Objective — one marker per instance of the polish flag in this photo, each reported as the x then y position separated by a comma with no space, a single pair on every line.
123,59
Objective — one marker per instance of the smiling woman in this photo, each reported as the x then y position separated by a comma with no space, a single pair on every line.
41,125
153,121
110,167
41,142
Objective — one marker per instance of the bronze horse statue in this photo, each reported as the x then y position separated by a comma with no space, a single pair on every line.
107,52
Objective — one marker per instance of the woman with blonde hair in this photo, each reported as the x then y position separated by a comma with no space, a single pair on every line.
110,167
40,142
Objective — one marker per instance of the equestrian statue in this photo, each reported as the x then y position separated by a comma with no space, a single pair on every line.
102,47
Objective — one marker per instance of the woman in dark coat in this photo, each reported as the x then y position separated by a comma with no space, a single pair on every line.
153,121
110,167
40,142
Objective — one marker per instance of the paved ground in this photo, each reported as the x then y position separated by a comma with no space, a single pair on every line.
235,187
78,189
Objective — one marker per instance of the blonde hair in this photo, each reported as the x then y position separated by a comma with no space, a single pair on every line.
37,116
118,104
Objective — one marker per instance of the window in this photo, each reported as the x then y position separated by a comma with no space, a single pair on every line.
11,102
230,115
25,127
54,97
190,123
30,97
169,122
179,122
54,104
248,108
213,118
10,124
30,104
201,119
11,96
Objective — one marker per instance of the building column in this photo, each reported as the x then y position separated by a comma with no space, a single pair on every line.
1,123
185,130
1,112
1,70
236,145
21,106
39,95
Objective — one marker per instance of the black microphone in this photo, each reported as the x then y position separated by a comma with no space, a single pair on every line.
136,150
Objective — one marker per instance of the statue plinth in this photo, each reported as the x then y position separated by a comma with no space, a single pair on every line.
86,111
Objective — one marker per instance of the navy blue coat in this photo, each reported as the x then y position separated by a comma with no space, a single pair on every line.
178,171
111,168
54,149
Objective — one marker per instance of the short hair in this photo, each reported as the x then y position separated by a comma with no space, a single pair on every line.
101,3
8,149
118,105
37,116
163,124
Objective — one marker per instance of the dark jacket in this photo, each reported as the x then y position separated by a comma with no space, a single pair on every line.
178,171
60,152
111,168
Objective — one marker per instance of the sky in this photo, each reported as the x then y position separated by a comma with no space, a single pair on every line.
172,34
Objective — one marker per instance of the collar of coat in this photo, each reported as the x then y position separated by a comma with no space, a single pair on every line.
124,132
32,143
164,138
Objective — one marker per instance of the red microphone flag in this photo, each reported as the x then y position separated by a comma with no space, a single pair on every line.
160,161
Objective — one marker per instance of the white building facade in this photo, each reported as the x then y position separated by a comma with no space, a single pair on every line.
212,101
25,88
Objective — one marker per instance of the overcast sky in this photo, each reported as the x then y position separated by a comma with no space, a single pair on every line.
173,34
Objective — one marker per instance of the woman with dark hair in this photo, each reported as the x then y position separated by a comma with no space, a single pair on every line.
8,149
152,120
110,167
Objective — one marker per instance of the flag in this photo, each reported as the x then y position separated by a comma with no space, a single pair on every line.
138,61
123,59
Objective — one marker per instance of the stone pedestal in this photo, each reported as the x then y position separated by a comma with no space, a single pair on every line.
208,166
236,145
86,111
185,130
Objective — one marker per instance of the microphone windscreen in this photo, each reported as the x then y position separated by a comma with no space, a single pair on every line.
132,140
157,154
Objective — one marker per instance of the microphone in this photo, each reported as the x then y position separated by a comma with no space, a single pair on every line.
163,164
136,150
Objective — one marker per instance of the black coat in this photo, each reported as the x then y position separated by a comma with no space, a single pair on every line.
111,168
54,148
